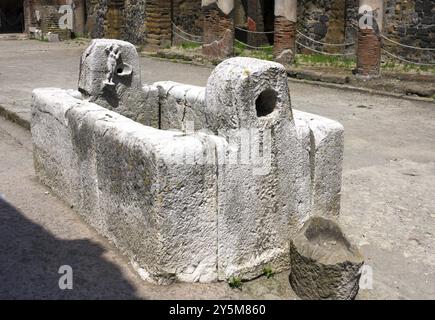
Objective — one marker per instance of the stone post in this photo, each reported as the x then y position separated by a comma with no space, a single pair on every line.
284,48
370,22
218,35
27,15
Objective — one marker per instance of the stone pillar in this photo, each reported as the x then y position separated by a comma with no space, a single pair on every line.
284,48
370,21
79,17
27,15
218,35
158,23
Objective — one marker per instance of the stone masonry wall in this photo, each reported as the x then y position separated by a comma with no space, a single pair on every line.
158,22
50,21
351,23
411,23
186,14
134,30
96,14
322,20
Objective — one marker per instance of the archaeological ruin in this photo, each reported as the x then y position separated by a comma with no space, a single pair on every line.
192,184
402,29
223,150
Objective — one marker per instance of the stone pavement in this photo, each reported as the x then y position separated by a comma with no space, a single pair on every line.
388,207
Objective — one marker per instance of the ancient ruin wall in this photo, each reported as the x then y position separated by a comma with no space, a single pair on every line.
49,16
96,14
134,30
411,23
187,15
322,20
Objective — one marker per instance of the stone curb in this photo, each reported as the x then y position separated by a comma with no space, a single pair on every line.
14,117
293,77
363,90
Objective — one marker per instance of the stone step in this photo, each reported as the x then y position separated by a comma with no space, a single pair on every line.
13,36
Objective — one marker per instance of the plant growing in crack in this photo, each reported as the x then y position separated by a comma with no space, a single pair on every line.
268,272
235,283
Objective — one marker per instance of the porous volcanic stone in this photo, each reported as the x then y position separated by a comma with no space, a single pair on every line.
324,264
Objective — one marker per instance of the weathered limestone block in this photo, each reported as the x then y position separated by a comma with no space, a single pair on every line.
53,151
324,264
182,107
324,139
246,92
220,191
263,200
151,192
110,77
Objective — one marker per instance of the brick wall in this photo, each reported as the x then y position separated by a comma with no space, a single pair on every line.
114,20
284,40
218,32
368,58
158,22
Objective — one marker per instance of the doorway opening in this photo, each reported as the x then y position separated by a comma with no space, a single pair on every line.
11,16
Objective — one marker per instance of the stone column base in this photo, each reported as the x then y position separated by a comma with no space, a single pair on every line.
368,53
284,48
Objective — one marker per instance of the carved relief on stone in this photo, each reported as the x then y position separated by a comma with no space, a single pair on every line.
115,65
113,56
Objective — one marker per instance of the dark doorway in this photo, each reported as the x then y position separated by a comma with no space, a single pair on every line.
11,16
263,11
269,19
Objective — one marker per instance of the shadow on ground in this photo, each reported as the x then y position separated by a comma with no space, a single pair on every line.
30,258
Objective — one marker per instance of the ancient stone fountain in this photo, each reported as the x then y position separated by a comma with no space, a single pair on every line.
193,184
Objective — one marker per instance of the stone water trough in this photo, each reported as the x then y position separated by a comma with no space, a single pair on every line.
192,184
